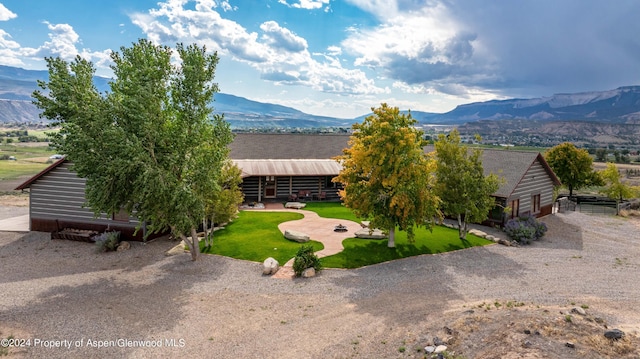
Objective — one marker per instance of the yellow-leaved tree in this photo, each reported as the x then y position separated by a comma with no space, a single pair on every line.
386,175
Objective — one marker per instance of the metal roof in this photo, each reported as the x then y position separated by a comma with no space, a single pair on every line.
290,167
286,146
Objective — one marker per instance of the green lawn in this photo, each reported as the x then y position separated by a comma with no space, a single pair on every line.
255,236
362,252
332,210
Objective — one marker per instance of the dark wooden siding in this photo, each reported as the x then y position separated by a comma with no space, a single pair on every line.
57,200
287,185
535,181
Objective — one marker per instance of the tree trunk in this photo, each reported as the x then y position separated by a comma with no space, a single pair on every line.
462,227
194,245
206,230
392,238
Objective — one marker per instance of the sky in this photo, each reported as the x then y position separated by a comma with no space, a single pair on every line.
340,58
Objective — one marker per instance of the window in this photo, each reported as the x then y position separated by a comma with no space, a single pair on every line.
535,203
515,208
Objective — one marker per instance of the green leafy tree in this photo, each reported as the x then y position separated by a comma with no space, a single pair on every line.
601,154
222,204
151,145
614,187
573,166
465,192
386,176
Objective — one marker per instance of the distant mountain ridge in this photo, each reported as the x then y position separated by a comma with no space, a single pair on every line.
621,105
618,106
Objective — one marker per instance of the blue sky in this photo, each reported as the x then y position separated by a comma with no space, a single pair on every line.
339,58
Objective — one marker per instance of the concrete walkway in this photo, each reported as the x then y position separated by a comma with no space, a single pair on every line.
15,224
322,230
317,228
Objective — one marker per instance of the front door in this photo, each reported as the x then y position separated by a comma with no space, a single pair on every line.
270,187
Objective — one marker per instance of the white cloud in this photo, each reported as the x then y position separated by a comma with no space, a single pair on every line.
334,50
6,14
281,38
307,4
62,42
277,53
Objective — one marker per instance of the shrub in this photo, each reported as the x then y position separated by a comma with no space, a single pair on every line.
107,241
525,229
305,259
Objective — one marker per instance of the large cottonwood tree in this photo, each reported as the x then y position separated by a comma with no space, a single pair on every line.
573,166
386,176
465,191
150,146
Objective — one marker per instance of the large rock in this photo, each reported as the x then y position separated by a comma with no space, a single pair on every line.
367,233
296,236
270,266
296,205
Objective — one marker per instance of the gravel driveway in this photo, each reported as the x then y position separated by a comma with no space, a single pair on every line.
108,305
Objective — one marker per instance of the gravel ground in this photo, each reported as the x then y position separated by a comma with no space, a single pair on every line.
224,308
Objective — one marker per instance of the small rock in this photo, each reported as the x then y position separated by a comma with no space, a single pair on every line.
180,248
448,330
526,344
123,246
536,332
569,345
614,334
309,272
437,341
440,349
578,310
429,349
527,331
469,311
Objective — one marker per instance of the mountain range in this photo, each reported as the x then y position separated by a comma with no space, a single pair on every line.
618,106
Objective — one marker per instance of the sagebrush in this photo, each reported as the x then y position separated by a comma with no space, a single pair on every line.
107,241
525,229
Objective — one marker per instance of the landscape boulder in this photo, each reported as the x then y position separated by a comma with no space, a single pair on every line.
309,272
296,236
270,266
178,249
295,205
367,233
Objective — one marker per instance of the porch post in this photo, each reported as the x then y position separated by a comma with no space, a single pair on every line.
259,188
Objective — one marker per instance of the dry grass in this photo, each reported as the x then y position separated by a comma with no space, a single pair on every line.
629,213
